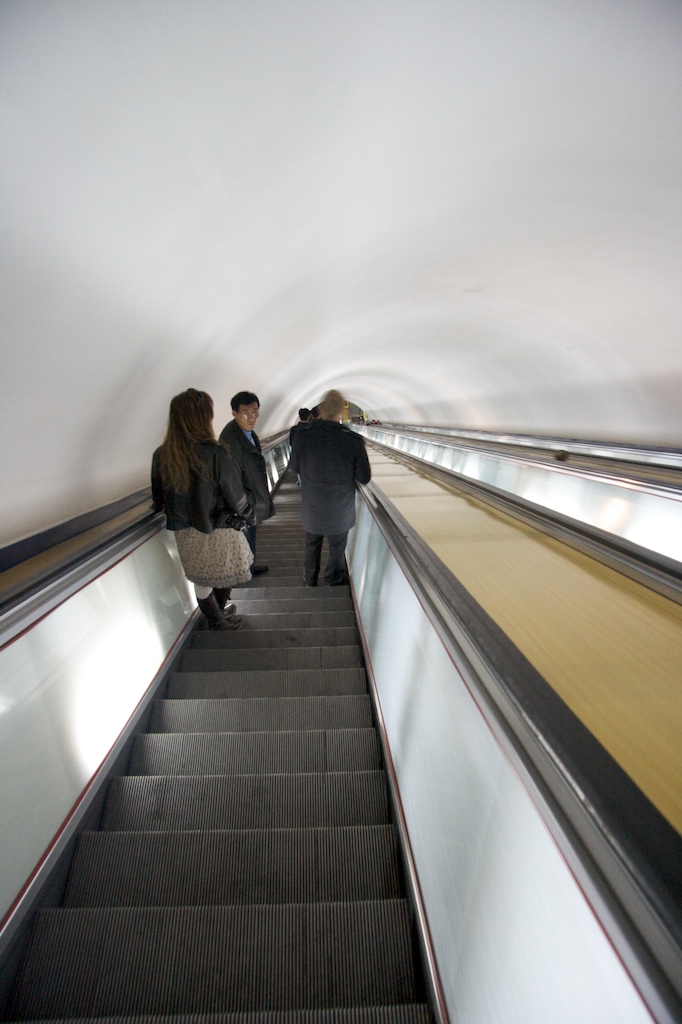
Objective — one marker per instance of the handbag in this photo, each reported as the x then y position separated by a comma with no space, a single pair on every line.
224,518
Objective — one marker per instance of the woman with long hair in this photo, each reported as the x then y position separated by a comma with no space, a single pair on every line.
195,482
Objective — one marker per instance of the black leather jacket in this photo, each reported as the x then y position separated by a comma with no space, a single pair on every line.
211,498
253,479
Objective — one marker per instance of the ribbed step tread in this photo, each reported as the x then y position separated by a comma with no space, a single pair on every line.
253,592
292,620
407,1013
333,636
154,803
297,601
261,714
290,553
291,568
289,549
250,753
196,959
295,683
114,869
274,580
234,659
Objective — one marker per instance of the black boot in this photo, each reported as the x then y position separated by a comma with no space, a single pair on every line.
214,616
221,595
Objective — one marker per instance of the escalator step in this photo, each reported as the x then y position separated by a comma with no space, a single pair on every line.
331,682
260,714
407,1013
332,636
198,959
162,803
254,592
296,601
114,869
292,578
314,619
291,568
248,753
276,658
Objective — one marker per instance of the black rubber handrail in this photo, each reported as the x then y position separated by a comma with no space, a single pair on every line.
623,851
38,543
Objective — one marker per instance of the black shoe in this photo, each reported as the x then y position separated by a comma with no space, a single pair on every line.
221,596
214,616
258,570
235,622
342,582
310,583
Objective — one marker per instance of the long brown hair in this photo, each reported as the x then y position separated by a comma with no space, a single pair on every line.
190,421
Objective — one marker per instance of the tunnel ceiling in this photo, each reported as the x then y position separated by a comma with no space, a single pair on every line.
457,213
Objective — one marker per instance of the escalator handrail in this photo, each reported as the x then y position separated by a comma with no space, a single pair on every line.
29,600
32,593
644,455
650,568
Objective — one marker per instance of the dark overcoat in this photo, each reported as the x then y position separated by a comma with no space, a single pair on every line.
251,465
331,460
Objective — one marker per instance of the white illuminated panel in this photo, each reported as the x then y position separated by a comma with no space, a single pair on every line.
68,687
515,939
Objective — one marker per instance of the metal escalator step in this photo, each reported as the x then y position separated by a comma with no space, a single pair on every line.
154,803
297,601
260,714
295,683
234,659
275,528
407,1013
253,592
248,753
194,959
289,549
282,544
116,869
333,636
275,570
273,580
292,620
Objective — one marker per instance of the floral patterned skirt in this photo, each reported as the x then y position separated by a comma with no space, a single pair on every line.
219,559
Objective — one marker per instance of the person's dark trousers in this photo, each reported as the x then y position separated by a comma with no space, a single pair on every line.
335,570
250,535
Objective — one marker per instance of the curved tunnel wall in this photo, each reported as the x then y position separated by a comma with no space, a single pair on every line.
457,214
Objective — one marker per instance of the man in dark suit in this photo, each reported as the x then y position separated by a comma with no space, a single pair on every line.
241,441
330,460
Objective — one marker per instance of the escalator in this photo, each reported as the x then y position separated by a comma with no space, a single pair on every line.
247,862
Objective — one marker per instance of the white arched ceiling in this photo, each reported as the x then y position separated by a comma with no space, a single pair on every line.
458,213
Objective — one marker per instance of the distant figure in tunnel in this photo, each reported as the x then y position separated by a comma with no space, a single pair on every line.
304,418
241,441
197,485
330,460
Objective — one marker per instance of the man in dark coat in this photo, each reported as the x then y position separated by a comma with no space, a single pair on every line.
304,418
330,460
241,441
